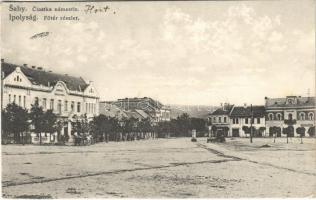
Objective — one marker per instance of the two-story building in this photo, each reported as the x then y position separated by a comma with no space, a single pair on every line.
219,120
290,113
66,95
245,118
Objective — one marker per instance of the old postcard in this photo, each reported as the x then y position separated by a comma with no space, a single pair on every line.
158,99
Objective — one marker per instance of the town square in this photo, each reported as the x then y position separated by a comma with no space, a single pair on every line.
184,99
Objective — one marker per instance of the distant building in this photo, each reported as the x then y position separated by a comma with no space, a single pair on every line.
290,112
220,119
235,121
156,111
242,118
66,95
111,110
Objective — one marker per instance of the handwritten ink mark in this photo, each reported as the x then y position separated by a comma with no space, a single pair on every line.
40,35
92,9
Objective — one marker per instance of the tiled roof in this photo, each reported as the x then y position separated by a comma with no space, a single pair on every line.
142,113
281,102
221,111
133,114
41,77
111,110
241,111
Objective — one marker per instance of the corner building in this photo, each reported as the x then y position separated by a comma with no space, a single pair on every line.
290,112
66,95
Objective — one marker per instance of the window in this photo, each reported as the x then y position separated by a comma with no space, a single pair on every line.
246,121
270,116
235,121
311,116
59,106
302,116
20,100
78,107
225,120
9,98
258,120
279,116
219,119
44,103
214,119
290,116
24,101
86,107
14,97
66,106
72,106
51,106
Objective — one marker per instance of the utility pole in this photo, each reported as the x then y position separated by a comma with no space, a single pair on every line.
251,120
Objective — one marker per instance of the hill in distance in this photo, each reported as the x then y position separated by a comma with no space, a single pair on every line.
193,110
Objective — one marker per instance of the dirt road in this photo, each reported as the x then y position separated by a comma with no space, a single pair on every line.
161,168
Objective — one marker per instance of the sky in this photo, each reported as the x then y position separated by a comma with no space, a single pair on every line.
193,53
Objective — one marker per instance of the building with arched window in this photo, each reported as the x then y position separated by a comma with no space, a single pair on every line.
290,112
26,85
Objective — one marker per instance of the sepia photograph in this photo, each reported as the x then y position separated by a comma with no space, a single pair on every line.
158,99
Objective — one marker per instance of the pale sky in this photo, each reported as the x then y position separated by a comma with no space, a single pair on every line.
198,53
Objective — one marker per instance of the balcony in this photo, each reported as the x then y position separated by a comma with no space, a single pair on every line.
290,121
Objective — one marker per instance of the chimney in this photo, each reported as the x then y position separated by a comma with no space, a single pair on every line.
50,71
40,68
245,105
24,65
33,67
2,60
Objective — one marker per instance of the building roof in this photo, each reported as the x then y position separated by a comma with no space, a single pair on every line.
133,114
241,111
142,113
281,102
222,111
41,77
111,110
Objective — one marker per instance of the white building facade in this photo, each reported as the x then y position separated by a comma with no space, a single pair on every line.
242,118
65,95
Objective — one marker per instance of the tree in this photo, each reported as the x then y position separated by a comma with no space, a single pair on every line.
301,132
15,121
286,132
144,126
246,129
183,125
37,120
98,126
5,126
198,124
81,126
50,120
58,127
311,131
